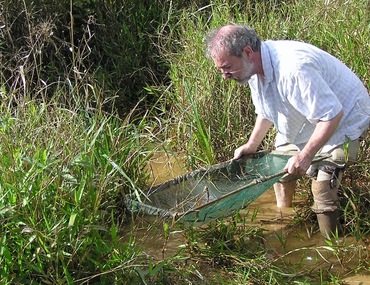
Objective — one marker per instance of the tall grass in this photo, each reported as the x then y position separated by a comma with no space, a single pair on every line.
65,162
63,172
220,111
225,108
217,115
109,44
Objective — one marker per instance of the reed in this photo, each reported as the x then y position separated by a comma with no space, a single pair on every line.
63,172
225,108
203,101
69,152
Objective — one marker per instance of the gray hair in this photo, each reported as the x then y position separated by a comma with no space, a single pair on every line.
233,39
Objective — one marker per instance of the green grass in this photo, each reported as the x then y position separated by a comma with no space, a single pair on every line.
65,162
224,108
217,115
63,173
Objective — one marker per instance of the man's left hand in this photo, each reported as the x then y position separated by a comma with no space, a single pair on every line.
298,164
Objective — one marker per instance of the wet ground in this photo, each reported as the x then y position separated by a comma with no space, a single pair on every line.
292,244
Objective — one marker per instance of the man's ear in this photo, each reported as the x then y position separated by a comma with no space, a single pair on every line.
248,51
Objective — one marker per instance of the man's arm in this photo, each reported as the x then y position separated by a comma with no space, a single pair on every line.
324,130
260,130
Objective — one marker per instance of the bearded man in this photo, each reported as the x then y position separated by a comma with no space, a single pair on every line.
314,101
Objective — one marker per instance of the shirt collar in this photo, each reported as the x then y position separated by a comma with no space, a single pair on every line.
266,63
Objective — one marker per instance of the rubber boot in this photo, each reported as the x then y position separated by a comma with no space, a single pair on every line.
284,192
326,207
329,223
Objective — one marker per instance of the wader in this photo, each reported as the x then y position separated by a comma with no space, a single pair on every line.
326,178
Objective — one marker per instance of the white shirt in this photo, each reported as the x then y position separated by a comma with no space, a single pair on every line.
304,84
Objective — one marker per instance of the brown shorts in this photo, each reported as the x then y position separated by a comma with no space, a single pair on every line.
340,156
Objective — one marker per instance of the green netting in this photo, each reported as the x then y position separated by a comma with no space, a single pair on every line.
212,193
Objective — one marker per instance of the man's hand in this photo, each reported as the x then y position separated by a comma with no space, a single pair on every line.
260,130
244,149
298,164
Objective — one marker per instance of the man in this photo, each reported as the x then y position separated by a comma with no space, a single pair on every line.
315,102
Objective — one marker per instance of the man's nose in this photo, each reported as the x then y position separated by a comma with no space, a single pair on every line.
226,75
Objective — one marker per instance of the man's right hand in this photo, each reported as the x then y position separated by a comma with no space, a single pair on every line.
260,130
244,149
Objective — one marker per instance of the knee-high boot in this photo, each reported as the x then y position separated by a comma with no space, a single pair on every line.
326,207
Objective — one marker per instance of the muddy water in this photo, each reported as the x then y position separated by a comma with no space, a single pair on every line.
292,245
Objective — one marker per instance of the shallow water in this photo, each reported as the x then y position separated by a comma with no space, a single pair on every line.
291,245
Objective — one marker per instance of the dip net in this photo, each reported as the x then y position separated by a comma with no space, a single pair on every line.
212,193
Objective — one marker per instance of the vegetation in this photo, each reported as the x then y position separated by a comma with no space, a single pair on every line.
90,90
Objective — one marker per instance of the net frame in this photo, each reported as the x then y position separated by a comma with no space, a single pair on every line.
199,197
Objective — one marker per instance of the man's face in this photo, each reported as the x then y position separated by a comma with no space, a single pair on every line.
233,67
